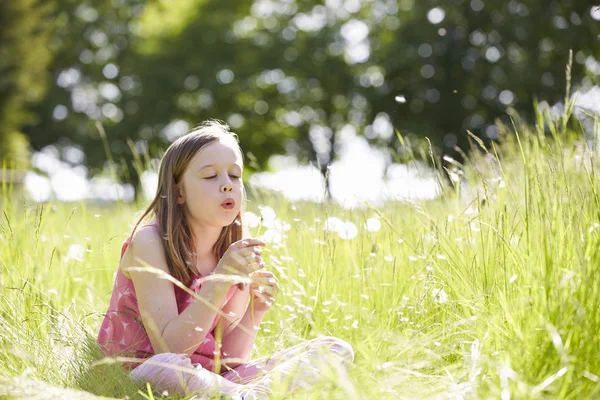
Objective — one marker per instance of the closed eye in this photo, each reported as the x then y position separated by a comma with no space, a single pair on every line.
231,176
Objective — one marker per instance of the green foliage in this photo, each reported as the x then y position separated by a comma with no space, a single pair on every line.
283,75
24,57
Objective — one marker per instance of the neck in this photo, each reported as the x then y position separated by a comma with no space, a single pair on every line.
205,238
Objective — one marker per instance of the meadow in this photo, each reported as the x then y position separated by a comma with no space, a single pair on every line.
490,291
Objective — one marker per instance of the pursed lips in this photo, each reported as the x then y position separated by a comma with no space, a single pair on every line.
229,203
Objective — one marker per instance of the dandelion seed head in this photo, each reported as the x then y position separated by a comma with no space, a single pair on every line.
373,224
349,231
400,99
267,213
75,252
439,296
272,236
250,219
333,224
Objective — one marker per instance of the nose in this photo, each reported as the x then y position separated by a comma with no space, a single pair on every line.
226,187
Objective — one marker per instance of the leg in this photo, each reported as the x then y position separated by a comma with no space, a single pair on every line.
176,374
331,349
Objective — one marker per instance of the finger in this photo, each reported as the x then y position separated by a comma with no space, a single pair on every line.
249,242
265,287
257,250
264,298
252,267
269,290
251,250
253,258
262,281
263,274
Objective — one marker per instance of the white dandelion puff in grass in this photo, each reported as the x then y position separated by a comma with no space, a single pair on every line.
439,296
75,252
333,224
373,224
348,232
267,214
272,236
250,219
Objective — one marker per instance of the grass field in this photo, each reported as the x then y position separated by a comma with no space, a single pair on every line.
492,292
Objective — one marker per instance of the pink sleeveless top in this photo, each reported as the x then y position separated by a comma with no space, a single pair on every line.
122,332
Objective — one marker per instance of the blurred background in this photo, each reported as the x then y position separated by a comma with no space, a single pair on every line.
327,98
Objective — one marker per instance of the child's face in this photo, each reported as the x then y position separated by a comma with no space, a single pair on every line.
213,176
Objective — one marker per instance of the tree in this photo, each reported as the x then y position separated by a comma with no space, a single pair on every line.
467,63
24,55
289,76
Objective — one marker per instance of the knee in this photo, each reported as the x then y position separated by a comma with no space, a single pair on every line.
337,346
164,371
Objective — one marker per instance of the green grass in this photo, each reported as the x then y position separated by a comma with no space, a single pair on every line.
490,293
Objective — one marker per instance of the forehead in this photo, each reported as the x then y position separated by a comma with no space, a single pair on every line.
222,152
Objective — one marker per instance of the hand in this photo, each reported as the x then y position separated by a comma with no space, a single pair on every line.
264,287
242,258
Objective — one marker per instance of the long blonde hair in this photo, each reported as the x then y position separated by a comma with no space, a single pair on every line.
173,226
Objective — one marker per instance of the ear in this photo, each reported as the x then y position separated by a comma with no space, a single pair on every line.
181,197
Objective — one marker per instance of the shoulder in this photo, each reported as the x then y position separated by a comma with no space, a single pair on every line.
145,248
146,235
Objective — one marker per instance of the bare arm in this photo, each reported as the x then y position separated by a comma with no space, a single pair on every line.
167,330
257,299
237,344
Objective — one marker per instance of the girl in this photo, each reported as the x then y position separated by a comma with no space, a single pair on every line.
190,292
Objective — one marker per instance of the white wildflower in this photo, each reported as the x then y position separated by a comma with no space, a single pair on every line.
348,232
75,252
333,224
439,296
373,224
